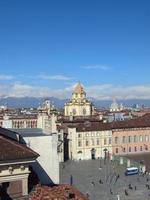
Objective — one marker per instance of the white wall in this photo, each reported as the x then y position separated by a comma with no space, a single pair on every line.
47,165
7,123
86,150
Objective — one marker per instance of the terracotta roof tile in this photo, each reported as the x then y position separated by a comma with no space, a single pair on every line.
12,150
57,192
141,122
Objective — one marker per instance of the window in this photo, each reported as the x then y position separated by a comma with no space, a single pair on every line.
116,140
146,147
141,138
116,150
92,134
98,134
84,111
79,135
59,137
74,111
92,142
98,141
123,139
129,139
124,149
87,143
86,134
146,138
135,138
141,148
109,140
129,149
79,143
105,141
135,148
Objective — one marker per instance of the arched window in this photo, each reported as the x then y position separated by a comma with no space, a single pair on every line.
84,111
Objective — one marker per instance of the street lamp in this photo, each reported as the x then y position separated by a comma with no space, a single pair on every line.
71,180
100,164
105,157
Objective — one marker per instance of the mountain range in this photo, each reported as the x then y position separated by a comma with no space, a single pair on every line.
33,102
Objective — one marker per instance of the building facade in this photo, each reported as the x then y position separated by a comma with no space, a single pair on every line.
19,121
131,141
92,140
89,143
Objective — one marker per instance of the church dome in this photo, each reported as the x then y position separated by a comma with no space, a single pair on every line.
114,106
79,89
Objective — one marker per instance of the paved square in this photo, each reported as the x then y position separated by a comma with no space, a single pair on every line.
108,183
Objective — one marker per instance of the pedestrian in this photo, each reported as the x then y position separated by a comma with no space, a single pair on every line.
63,166
87,195
147,179
100,181
71,180
111,191
130,186
135,187
93,184
126,193
117,178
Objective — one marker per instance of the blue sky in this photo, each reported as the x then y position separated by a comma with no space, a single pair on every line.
47,46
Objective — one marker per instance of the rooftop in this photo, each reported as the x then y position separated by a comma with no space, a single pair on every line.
61,192
83,126
30,132
11,150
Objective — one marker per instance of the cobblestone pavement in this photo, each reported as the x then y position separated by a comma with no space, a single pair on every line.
87,175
